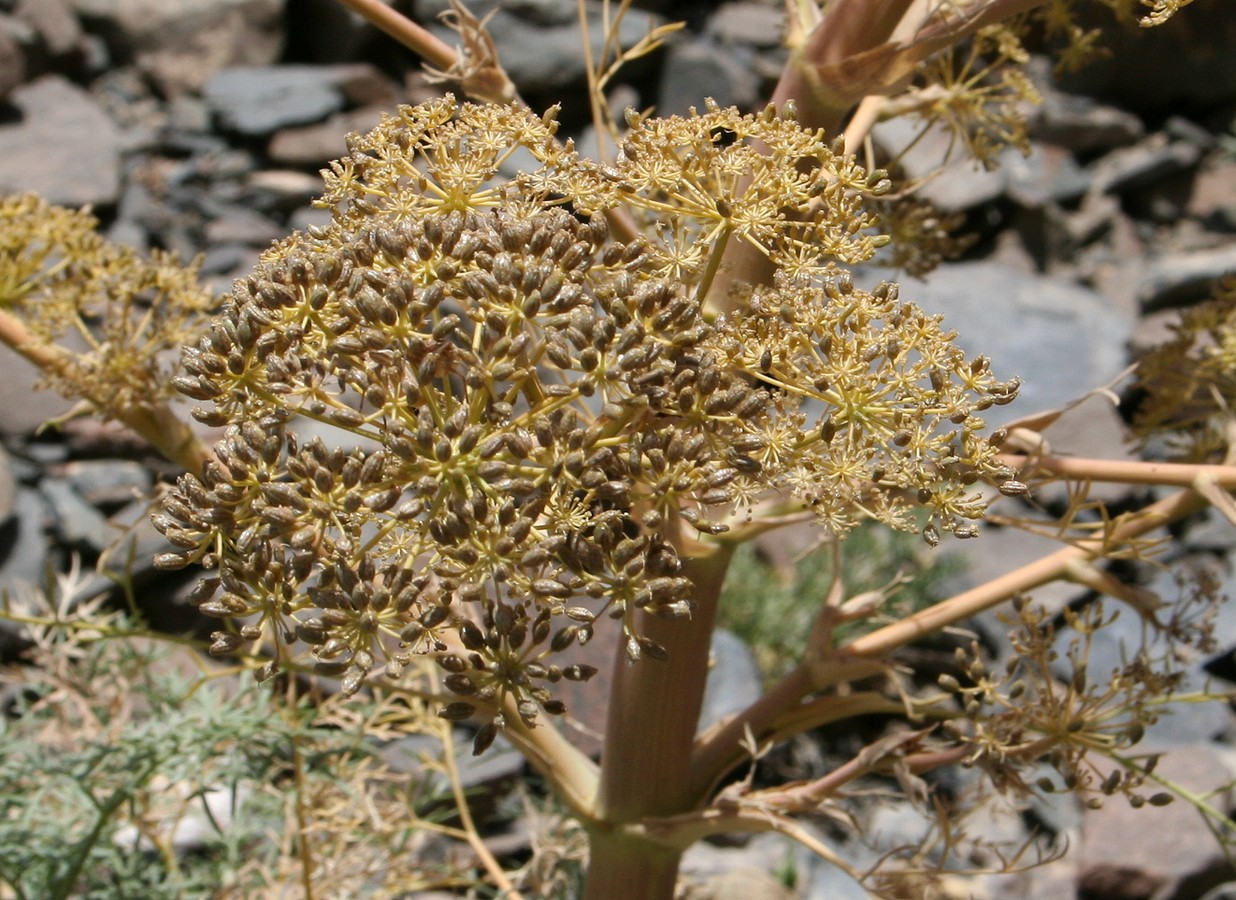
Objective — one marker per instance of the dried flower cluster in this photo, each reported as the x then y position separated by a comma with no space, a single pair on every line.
531,420
62,280
1051,705
1187,385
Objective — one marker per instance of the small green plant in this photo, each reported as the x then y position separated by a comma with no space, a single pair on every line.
562,403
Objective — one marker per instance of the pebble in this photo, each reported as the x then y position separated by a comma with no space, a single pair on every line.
256,101
64,147
1180,279
180,45
539,43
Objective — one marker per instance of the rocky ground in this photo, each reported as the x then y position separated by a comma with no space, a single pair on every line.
199,127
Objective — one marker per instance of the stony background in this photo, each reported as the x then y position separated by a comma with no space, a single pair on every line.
199,125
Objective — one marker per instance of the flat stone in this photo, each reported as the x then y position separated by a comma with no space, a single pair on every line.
12,60
78,524
25,407
1179,279
1060,338
745,22
1081,124
59,34
240,225
256,101
696,70
312,146
180,45
108,482
953,181
1136,854
65,147
734,681
545,56
8,487
1152,160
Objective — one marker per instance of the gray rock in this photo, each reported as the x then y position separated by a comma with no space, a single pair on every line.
1048,175
733,681
109,482
280,190
58,34
180,45
741,883
308,216
699,69
540,57
240,225
956,182
745,22
256,101
1145,163
1179,279
78,524
24,407
12,60
65,147
8,487
1081,124
23,543
315,145
1060,338
1164,852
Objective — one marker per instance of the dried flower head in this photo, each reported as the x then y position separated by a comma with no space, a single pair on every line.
532,419
1187,385
61,279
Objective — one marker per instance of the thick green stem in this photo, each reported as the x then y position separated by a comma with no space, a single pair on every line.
645,763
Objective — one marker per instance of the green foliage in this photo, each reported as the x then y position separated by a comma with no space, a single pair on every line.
101,761
773,609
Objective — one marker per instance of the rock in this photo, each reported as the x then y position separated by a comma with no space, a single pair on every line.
241,225
280,190
539,44
12,60
733,680
1061,339
1145,163
58,35
64,147
742,883
1213,198
1081,124
307,217
1159,852
704,861
77,524
696,70
1048,175
312,146
256,101
24,407
23,542
108,483
1180,279
957,182
746,22
8,487
180,45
